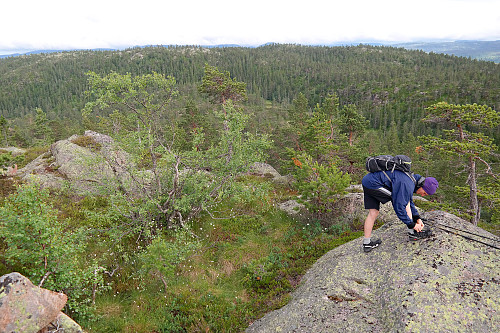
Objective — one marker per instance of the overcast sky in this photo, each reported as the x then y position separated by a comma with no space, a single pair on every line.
86,24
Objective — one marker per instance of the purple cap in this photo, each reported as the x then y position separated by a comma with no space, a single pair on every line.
430,185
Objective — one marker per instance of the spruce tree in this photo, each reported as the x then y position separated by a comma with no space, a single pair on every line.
41,128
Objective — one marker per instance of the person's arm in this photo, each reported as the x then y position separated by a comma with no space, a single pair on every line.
419,225
401,205
402,193
414,211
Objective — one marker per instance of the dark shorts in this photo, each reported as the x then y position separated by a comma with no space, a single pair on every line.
374,197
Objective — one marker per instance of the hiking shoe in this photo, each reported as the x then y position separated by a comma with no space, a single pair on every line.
425,233
373,244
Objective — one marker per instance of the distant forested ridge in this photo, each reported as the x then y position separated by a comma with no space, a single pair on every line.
480,50
387,84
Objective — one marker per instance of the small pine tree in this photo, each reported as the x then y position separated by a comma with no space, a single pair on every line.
220,87
319,178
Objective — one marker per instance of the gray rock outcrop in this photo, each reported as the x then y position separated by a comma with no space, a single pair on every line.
27,308
15,151
268,171
99,165
442,284
292,207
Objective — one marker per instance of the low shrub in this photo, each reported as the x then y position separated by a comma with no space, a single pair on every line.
87,142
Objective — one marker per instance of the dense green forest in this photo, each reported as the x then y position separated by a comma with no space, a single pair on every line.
387,84
204,247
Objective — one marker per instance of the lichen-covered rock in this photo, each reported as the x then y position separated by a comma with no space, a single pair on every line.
67,324
15,151
25,307
268,171
89,163
292,207
264,169
442,284
62,323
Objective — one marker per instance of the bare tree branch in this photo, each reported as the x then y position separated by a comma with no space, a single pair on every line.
45,276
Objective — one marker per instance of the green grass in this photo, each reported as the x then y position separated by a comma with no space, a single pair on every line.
248,264
247,267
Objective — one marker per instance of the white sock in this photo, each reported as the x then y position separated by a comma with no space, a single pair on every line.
411,231
366,240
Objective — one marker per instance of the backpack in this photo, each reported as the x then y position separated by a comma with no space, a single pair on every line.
390,163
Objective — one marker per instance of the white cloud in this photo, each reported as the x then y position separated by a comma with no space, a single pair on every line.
64,24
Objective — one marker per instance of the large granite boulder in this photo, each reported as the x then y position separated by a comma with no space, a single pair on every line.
27,308
351,203
84,163
442,284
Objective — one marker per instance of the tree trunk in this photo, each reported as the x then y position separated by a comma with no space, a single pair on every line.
474,205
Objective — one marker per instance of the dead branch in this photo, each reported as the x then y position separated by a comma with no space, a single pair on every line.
488,167
110,274
45,276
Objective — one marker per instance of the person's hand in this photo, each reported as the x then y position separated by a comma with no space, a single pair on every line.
419,226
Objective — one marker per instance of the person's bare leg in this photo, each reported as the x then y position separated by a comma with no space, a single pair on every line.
370,221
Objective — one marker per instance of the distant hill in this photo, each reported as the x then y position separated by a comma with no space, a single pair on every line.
104,49
46,51
391,85
480,50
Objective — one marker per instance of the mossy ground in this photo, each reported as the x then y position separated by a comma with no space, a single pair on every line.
247,266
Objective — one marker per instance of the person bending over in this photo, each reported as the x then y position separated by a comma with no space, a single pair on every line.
395,186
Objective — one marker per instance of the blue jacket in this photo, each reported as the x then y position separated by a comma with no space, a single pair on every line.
402,188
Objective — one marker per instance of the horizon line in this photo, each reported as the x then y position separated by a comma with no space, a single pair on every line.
20,52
